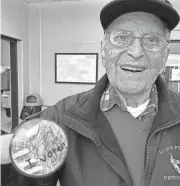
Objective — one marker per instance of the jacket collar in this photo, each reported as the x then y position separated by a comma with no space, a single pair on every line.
89,109
169,103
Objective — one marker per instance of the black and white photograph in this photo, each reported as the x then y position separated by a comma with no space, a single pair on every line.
90,93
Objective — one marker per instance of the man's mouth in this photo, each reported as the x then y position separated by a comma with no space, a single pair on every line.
132,69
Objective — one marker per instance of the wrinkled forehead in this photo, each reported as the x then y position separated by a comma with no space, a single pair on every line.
138,21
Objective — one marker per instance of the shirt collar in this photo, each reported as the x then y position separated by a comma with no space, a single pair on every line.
110,98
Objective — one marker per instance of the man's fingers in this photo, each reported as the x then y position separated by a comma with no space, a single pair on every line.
5,144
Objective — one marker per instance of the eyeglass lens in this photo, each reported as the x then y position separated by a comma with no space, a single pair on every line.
150,42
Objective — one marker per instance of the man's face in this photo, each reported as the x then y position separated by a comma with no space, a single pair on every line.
118,60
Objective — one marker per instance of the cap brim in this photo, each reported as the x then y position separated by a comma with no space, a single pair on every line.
116,8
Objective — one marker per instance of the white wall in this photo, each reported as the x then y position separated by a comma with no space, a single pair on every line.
63,27
14,23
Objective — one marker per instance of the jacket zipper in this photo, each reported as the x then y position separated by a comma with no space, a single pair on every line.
147,149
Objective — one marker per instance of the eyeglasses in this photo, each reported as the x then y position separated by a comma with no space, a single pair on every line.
151,42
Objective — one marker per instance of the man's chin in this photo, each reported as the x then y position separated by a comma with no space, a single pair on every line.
132,88
132,92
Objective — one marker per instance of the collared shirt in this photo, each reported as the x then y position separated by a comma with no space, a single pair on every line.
110,98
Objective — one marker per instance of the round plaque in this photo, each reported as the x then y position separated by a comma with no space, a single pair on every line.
38,147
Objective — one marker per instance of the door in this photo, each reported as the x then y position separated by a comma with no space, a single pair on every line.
9,84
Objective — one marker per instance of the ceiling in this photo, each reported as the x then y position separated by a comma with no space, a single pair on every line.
175,2
47,1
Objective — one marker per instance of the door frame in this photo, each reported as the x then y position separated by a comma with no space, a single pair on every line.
13,79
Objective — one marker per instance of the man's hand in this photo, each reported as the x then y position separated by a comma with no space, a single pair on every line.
5,145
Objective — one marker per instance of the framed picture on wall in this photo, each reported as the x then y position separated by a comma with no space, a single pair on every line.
76,68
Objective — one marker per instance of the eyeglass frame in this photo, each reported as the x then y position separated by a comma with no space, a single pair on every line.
167,41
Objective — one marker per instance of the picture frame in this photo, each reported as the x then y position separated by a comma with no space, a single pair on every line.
76,68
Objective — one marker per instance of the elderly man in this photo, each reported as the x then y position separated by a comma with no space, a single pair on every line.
126,130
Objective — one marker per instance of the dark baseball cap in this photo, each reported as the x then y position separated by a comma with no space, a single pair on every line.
163,9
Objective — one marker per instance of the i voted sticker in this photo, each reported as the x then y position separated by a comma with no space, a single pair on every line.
38,148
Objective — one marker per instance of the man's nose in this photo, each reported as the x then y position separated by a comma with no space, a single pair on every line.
135,50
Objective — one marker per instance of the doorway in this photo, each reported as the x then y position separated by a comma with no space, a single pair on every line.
9,84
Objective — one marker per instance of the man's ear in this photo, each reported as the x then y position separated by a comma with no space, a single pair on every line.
167,51
168,48
166,54
102,53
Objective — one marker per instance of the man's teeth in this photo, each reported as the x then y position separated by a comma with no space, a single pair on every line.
133,69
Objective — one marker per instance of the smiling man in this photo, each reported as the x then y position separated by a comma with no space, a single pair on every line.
134,50
126,130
